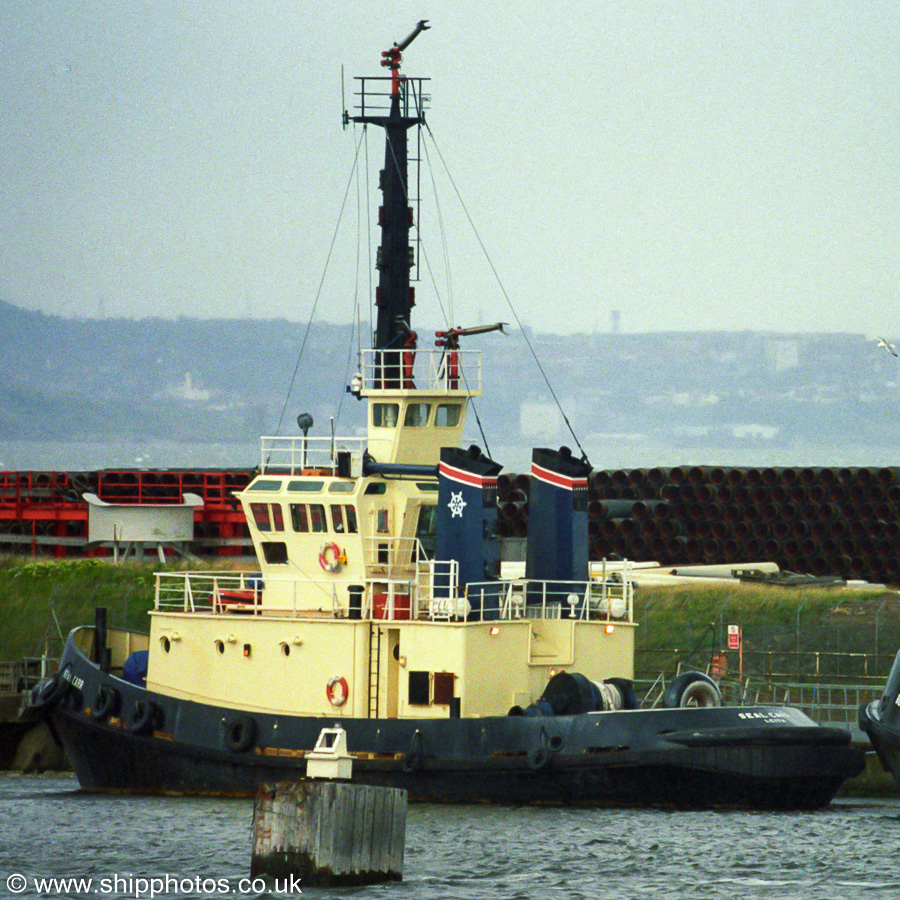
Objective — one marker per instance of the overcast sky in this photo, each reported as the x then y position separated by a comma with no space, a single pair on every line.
695,165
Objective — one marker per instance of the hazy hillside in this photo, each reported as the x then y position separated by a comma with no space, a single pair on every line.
633,399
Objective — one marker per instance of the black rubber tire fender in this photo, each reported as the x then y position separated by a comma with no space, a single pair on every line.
412,761
539,757
107,703
144,717
690,686
53,691
240,733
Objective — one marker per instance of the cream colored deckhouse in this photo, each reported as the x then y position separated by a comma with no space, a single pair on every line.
350,613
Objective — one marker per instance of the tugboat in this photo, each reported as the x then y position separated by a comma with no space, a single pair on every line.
378,605
880,720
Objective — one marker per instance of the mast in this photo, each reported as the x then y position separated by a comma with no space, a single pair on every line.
394,295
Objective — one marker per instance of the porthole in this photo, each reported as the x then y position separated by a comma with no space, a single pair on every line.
220,646
285,648
166,645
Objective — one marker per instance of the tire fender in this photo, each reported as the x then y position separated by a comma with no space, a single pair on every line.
240,733
692,689
144,717
107,703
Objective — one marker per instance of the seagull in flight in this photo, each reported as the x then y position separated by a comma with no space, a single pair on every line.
886,345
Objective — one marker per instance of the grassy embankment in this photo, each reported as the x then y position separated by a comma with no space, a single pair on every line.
789,634
42,599
855,633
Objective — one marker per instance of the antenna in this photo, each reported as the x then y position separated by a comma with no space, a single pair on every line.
345,117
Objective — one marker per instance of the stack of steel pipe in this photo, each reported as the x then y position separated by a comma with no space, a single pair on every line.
823,521
512,504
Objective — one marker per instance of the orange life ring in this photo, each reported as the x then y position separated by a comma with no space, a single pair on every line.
335,563
340,699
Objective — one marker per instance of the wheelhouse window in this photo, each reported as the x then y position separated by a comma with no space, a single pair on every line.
426,530
262,484
310,517
317,517
275,552
385,415
277,517
447,415
417,414
306,486
299,517
350,516
342,487
260,513
343,519
337,518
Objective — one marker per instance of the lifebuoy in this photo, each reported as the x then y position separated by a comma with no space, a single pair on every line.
334,698
334,563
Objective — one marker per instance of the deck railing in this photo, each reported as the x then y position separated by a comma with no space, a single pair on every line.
298,455
426,589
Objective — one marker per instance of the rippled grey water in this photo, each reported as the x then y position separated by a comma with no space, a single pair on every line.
48,829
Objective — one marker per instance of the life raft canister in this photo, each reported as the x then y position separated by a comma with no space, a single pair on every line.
337,556
337,698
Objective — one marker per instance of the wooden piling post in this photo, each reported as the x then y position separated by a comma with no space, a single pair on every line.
329,832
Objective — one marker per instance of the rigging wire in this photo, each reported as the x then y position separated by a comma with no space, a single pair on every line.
355,319
443,234
438,295
318,291
508,299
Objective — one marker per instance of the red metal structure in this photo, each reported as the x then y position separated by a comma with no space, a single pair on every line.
45,513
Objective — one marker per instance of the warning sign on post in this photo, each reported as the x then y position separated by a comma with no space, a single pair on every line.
734,637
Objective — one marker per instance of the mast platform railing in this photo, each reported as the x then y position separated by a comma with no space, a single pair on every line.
431,370
374,96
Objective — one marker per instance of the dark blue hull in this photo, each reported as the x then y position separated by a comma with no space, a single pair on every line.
755,758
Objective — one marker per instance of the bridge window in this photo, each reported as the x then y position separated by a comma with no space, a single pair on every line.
275,552
342,487
310,517
265,485
317,517
447,415
277,518
343,518
385,415
350,512
299,518
261,516
306,486
417,414
426,530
